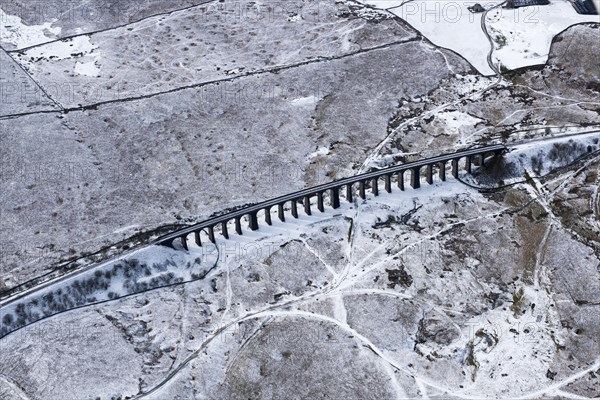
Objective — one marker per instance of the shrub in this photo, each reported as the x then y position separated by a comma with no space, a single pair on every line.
7,319
49,298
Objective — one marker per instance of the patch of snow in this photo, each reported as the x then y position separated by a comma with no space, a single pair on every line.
321,151
469,84
15,32
455,120
303,101
295,18
371,14
88,68
523,35
79,47
234,71
500,337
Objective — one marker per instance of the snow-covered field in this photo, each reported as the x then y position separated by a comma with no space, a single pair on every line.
521,36
451,25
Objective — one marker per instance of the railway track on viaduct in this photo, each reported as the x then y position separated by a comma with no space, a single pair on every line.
348,188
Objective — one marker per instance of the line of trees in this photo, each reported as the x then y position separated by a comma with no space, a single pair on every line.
128,276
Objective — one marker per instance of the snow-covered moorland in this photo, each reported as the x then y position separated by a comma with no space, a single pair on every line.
157,115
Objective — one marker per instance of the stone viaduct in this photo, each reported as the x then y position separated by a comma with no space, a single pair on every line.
347,187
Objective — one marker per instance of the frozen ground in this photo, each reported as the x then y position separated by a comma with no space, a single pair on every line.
446,292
